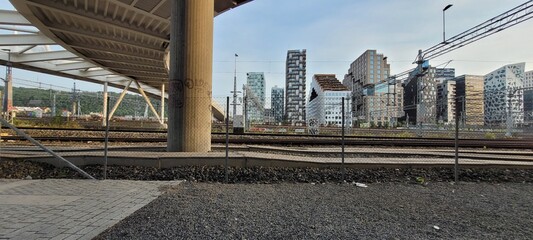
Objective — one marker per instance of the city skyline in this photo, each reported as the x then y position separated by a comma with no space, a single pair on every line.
330,35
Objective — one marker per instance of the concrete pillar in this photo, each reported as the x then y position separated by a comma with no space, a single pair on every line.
190,75
104,111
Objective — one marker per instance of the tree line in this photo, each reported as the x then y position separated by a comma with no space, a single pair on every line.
90,102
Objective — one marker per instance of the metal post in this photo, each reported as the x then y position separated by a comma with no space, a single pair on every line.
8,87
54,112
245,107
342,164
443,26
162,103
105,107
235,89
106,137
444,22
456,165
176,76
227,141
510,115
395,112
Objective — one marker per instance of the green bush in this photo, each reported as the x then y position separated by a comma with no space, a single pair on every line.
490,135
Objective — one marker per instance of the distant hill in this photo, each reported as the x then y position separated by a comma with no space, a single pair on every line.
133,104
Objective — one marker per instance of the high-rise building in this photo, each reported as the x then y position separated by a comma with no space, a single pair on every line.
420,93
295,75
255,97
528,79
463,94
365,73
277,104
269,117
446,94
528,98
442,74
420,96
504,95
325,101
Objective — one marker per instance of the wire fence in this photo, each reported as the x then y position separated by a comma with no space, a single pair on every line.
332,136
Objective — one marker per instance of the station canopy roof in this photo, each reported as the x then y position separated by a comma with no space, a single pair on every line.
112,41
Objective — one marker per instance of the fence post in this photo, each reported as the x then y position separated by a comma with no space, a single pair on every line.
456,165
342,164
106,141
227,141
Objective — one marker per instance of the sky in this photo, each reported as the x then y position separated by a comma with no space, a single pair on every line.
336,32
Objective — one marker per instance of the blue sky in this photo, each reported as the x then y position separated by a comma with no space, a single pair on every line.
336,32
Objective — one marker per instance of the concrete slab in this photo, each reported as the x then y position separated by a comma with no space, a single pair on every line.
69,209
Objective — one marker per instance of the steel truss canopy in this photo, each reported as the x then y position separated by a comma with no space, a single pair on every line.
112,41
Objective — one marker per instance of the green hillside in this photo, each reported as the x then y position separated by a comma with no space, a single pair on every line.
133,104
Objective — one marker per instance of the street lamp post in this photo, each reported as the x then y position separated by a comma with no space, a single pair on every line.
235,89
444,22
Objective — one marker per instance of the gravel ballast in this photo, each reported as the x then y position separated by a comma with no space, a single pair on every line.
334,211
27,169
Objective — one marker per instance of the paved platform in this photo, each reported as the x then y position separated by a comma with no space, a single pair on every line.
272,156
69,209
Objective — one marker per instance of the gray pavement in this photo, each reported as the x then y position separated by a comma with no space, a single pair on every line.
69,209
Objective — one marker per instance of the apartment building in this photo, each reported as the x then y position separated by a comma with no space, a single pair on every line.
502,95
255,97
295,87
325,101
277,104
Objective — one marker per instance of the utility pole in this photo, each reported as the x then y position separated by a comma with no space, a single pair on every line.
54,106
8,87
74,99
235,89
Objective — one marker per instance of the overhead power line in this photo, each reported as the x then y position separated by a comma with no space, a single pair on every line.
494,25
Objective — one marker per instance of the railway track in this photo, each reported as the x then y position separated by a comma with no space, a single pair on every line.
293,140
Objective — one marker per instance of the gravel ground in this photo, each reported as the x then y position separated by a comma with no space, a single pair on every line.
23,169
334,211
309,203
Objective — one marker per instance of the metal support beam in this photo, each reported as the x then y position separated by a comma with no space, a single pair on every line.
73,66
119,100
88,74
44,56
25,39
141,91
8,17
